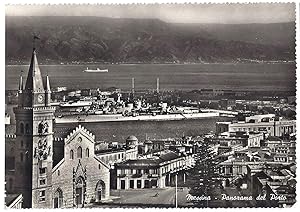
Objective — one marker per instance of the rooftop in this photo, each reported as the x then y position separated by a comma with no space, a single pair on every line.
169,156
10,198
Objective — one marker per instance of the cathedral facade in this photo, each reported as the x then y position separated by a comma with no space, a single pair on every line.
78,179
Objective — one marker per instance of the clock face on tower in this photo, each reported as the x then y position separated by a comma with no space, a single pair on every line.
40,98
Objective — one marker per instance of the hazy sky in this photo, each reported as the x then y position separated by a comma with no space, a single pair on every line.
188,13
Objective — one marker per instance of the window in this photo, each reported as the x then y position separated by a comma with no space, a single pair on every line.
139,184
43,182
22,143
43,170
22,128
21,157
79,152
147,184
146,171
71,154
131,184
122,184
87,152
99,166
58,198
27,130
27,155
58,172
42,195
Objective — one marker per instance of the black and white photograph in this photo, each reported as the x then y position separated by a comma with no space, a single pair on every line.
150,105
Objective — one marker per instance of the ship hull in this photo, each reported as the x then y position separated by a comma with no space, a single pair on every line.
119,117
96,71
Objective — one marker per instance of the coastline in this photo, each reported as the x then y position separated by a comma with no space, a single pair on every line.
132,64
120,118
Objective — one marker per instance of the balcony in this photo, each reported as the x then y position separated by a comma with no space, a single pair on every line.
121,175
136,175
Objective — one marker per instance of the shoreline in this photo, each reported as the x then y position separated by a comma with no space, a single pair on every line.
132,64
120,118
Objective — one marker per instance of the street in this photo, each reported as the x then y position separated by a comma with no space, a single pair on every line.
140,197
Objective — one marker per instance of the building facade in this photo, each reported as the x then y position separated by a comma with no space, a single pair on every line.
262,123
156,172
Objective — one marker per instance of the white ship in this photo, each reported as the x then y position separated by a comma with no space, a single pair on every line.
98,70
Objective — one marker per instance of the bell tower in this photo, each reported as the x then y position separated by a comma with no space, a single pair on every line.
34,139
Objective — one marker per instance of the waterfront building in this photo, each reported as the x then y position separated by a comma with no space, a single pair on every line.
262,123
155,172
230,139
45,181
61,88
151,146
227,104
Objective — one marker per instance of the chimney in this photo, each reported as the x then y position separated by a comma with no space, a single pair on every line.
157,85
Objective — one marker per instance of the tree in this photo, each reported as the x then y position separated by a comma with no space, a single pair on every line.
204,176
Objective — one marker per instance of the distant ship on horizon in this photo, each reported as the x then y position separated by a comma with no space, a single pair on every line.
98,70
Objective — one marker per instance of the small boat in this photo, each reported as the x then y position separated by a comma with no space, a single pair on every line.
98,70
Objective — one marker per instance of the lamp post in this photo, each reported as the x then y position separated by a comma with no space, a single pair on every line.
176,195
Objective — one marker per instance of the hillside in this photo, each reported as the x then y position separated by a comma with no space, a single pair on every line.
98,39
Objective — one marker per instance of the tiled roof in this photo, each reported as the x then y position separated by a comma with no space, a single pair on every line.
138,163
168,157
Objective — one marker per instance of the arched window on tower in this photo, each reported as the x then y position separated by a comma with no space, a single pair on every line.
71,154
22,128
87,152
26,155
79,152
10,182
40,128
27,129
21,157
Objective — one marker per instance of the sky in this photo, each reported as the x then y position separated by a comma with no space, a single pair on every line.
174,13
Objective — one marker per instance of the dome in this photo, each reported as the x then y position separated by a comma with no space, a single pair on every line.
132,138
131,141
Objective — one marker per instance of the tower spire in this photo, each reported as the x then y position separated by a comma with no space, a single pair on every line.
34,80
21,83
48,90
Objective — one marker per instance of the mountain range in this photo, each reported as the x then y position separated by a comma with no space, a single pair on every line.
67,39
